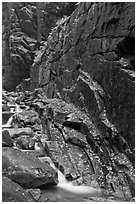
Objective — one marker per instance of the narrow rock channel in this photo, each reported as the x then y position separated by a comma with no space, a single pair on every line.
68,101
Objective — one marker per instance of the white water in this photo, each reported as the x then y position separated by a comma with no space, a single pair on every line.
64,188
16,111
68,189
76,190
62,179
12,110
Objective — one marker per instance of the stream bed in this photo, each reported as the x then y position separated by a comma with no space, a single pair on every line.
51,163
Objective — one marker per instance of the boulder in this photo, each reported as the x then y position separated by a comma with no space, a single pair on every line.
6,139
29,118
12,192
27,170
17,132
25,142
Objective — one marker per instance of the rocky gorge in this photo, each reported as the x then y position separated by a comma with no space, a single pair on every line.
70,124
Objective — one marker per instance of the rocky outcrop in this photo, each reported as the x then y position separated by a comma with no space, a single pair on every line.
12,192
89,61
27,170
68,140
22,43
82,116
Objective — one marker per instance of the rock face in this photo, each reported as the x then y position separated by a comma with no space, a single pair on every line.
89,61
83,112
6,139
21,47
23,37
26,169
68,138
12,192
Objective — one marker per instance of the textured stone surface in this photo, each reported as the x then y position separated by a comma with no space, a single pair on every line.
12,192
90,62
95,69
26,169
17,132
23,36
6,139
21,60
36,193
72,141
6,116
88,65
21,47
25,142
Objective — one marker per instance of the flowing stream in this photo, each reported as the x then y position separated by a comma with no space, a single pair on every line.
64,190
15,109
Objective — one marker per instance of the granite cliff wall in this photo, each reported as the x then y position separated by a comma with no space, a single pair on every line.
89,61
22,39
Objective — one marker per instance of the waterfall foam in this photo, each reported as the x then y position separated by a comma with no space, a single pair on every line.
15,109
68,187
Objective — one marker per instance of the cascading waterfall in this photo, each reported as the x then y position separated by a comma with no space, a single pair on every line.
15,112
64,189
68,189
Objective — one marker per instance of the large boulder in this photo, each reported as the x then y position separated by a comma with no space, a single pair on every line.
12,192
27,170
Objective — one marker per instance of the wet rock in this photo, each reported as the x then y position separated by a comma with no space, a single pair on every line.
25,142
77,142
27,170
6,139
5,99
29,118
5,108
5,116
131,185
12,192
25,85
103,76
95,72
17,132
36,193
